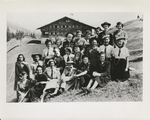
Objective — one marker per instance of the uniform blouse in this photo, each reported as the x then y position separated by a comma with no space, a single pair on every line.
109,50
121,53
52,73
48,53
71,57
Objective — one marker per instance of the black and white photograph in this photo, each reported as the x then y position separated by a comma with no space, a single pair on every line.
74,57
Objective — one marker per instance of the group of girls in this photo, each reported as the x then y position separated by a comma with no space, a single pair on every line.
74,63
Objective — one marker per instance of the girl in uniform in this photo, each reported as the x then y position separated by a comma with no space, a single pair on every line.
121,60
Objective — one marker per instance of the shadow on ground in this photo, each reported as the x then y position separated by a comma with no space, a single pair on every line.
139,59
34,42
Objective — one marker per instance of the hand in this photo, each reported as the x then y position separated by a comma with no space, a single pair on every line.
126,69
37,83
96,74
75,76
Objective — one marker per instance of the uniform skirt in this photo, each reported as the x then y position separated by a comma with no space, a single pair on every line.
102,81
119,70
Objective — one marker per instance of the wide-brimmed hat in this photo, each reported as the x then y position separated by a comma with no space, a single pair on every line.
105,23
106,36
69,49
51,60
34,55
70,62
120,38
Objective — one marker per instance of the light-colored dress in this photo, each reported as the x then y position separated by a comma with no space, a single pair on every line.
53,76
68,82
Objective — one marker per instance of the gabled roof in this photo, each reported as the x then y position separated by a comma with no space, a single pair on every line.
65,18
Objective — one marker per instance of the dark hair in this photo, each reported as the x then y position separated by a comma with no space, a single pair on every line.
88,32
47,41
69,33
98,28
39,66
92,39
68,49
84,56
101,53
34,55
119,23
78,31
19,56
23,73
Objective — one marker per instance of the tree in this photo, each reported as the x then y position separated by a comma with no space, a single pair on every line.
9,36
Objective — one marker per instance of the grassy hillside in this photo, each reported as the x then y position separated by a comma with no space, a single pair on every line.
127,91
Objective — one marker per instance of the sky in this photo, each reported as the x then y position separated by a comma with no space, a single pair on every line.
33,20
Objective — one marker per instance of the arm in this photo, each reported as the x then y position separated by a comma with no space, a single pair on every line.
127,64
111,39
81,74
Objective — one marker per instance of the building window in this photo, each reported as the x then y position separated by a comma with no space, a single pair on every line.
67,20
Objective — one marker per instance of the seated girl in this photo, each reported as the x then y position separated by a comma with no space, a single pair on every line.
83,72
101,74
23,88
53,77
37,90
37,61
67,79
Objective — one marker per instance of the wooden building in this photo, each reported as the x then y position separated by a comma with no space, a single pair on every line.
62,26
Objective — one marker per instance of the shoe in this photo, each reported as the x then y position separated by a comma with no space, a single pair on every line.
84,89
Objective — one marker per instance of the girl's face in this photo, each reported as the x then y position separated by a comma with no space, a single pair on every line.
79,35
119,27
39,70
98,31
76,49
102,57
94,43
37,58
88,36
20,58
67,52
58,43
48,44
105,27
85,60
69,37
57,53
106,41
120,42
24,76
52,64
